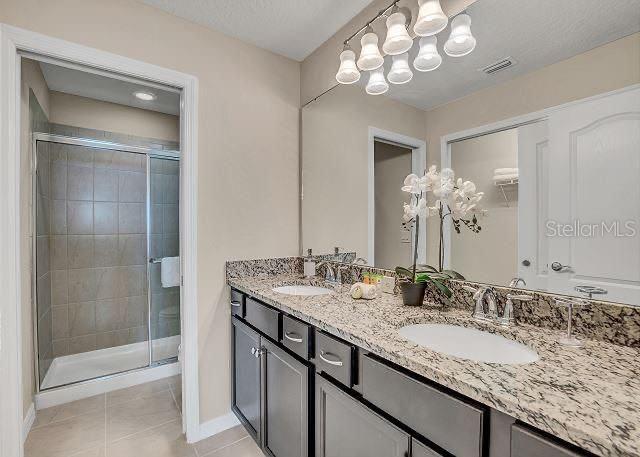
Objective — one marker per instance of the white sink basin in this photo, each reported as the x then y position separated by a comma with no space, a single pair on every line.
302,290
469,343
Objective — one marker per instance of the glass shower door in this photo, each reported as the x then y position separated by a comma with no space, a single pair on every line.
164,250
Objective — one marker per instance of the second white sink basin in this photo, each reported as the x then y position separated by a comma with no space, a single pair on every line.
302,290
469,343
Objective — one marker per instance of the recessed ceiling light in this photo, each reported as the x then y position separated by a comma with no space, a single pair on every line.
145,96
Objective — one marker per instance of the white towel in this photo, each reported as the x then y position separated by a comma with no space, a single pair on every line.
505,171
505,178
170,271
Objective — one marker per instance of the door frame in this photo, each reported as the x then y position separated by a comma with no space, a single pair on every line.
499,126
418,166
14,42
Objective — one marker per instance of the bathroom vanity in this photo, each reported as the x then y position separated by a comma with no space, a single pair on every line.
326,375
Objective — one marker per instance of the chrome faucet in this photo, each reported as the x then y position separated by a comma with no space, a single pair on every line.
479,295
517,281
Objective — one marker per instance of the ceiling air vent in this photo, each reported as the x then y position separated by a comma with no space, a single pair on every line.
499,66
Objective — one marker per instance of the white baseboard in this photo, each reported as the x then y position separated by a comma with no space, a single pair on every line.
217,425
28,422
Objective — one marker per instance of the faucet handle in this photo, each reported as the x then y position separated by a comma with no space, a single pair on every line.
521,297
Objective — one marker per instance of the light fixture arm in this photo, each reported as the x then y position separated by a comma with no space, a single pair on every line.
380,14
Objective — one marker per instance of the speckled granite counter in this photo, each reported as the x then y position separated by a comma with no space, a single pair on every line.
588,396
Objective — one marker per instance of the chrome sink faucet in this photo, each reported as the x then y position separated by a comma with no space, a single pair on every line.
479,295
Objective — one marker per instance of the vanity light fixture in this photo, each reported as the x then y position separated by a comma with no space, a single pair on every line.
377,85
431,18
400,72
461,42
398,40
145,96
348,72
428,58
370,57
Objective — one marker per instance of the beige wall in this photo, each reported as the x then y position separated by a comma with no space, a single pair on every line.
392,165
335,132
248,145
606,68
88,113
491,255
318,70
33,79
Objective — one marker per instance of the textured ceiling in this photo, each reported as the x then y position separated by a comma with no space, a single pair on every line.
99,87
292,28
534,33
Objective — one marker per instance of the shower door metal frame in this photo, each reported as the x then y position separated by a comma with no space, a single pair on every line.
97,144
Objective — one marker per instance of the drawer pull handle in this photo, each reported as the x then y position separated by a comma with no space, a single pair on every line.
257,352
337,363
292,336
237,304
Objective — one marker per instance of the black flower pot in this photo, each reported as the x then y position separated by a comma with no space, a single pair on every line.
413,293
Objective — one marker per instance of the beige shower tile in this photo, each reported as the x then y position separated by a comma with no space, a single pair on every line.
59,287
82,285
82,318
62,439
105,218
80,183
80,251
132,187
105,250
59,180
164,441
131,218
132,249
58,250
107,282
105,185
80,218
81,344
112,339
137,415
60,322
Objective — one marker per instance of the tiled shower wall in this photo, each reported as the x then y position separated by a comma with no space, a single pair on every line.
97,248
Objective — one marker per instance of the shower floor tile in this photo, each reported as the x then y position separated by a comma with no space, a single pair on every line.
140,421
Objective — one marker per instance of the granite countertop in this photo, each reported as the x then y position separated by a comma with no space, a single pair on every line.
589,396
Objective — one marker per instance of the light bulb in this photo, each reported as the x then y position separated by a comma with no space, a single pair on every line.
428,58
398,39
370,57
377,84
431,18
400,72
348,72
461,42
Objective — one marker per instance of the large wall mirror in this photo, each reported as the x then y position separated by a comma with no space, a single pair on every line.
552,141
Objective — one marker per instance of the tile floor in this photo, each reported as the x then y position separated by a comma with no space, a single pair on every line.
140,421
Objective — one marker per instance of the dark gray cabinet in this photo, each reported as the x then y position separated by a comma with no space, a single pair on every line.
529,443
345,427
246,385
286,403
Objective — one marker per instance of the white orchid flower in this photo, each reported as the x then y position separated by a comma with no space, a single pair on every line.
411,184
411,210
466,188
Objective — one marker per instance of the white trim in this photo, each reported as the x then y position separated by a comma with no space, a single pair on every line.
62,395
12,41
29,419
505,124
418,165
217,425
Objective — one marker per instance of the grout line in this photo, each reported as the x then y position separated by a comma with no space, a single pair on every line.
223,447
105,424
142,431
175,402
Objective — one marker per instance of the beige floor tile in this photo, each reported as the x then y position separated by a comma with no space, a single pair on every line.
64,438
134,392
140,414
163,441
100,451
177,395
69,410
175,382
221,440
243,448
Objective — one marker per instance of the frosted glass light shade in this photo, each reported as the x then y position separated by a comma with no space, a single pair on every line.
398,39
461,42
431,18
400,72
370,57
377,84
348,72
428,58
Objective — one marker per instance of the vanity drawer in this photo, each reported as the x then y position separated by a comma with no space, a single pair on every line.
451,423
335,358
237,303
262,317
296,336
529,443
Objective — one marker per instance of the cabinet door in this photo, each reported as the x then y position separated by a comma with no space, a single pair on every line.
286,403
246,377
345,427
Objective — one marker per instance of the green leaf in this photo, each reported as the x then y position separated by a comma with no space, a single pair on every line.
404,272
453,274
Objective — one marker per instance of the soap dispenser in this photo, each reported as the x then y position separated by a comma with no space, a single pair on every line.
309,265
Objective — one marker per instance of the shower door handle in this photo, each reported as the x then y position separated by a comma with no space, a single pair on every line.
155,260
